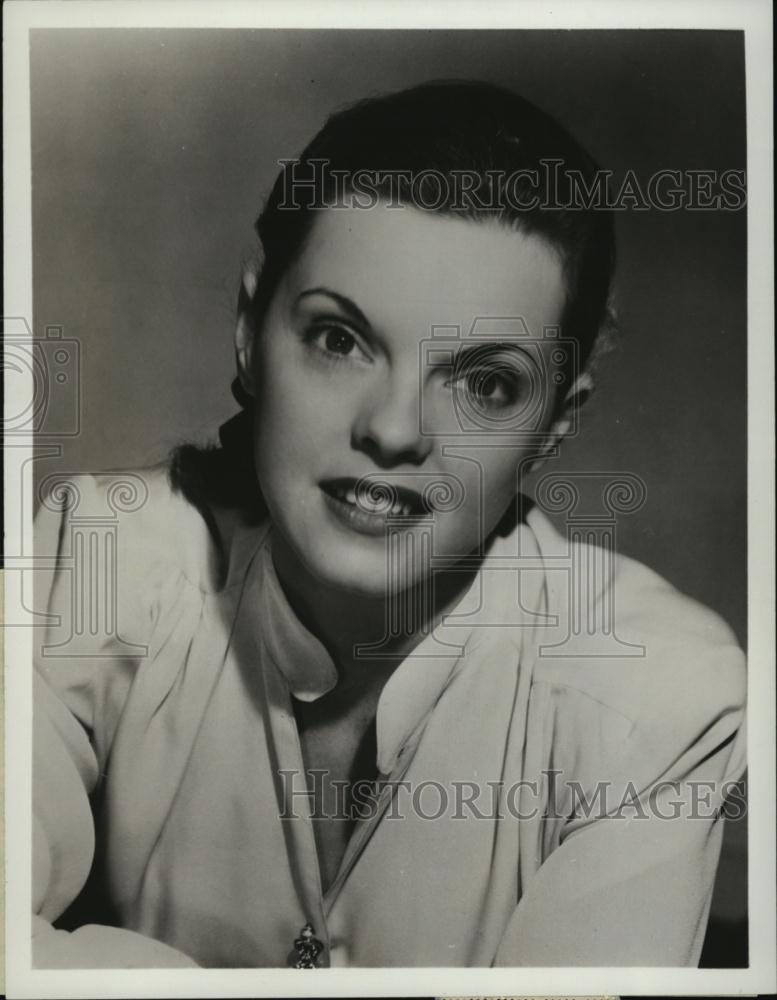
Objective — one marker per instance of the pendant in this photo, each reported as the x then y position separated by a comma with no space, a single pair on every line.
308,948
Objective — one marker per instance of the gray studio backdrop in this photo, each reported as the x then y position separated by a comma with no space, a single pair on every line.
152,151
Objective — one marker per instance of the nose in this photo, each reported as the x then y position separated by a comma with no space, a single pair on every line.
388,426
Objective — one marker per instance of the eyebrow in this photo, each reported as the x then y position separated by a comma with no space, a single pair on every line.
458,357
347,305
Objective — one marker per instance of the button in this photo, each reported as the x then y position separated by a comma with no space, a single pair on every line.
308,948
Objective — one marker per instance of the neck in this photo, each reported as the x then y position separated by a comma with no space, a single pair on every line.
343,620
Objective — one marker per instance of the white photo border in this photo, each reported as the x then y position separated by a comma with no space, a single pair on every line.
751,16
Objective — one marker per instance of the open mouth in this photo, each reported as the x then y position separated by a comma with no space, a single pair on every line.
369,503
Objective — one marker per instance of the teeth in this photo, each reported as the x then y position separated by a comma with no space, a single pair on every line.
401,510
348,494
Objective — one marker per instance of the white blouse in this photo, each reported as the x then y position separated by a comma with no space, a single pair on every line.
551,785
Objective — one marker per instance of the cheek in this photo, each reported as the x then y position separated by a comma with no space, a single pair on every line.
489,477
489,486
299,420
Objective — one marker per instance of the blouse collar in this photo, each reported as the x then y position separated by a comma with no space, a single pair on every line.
420,679
302,659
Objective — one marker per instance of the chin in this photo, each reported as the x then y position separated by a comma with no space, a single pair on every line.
360,567
349,568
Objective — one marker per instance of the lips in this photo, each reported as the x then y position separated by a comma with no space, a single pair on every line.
377,497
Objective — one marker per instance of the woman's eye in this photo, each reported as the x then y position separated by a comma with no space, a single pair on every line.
490,388
336,342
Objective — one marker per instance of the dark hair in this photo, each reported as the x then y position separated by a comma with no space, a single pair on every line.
408,143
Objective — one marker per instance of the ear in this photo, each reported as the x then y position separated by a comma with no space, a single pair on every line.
579,392
244,337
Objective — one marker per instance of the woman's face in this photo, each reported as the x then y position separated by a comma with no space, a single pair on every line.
401,377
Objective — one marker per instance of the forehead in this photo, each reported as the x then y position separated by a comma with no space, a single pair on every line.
412,270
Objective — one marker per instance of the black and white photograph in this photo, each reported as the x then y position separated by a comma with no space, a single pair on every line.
389,500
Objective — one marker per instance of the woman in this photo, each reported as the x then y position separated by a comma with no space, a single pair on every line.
346,716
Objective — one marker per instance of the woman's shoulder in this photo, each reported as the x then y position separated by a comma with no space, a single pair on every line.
631,644
151,520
